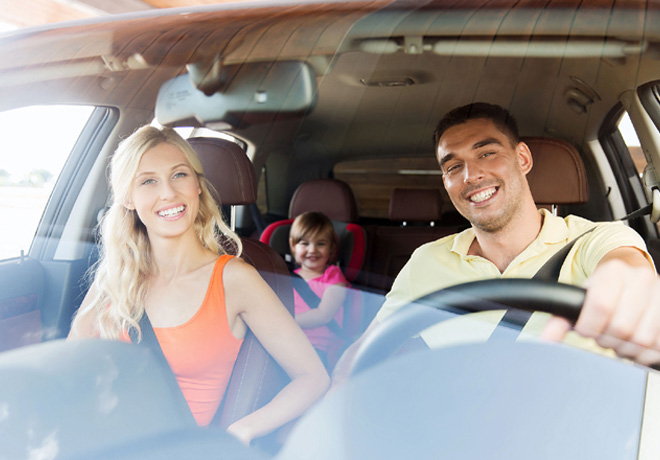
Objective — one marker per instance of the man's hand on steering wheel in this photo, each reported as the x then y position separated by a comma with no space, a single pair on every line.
621,310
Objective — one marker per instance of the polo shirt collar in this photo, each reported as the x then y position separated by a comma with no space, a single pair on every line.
554,230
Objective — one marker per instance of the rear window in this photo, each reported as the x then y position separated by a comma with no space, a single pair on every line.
374,180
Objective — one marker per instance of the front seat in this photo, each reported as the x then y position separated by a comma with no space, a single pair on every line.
256,377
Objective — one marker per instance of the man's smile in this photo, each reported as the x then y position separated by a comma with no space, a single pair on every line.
482,195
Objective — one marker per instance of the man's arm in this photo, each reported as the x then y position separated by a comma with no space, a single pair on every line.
621,309
343,367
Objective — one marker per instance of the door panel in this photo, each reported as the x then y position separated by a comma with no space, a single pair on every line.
22,289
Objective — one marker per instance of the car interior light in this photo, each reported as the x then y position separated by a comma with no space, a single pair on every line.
379,46
388,83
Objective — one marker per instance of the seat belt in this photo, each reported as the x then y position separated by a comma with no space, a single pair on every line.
517,319
150,341
313,301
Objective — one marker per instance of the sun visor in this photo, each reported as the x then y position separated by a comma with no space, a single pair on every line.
248,94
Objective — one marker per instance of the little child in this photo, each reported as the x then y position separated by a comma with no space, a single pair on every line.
320,297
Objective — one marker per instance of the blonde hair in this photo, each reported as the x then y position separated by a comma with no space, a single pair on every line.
313,224
122,273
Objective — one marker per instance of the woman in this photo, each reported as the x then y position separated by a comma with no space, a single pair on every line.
161,256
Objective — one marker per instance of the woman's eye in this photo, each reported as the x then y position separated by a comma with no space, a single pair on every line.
148,182
180,174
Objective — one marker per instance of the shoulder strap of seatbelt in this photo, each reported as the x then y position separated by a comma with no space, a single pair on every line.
552,267
149,340
313,301
516,319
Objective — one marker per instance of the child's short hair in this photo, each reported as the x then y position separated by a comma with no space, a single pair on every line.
314,224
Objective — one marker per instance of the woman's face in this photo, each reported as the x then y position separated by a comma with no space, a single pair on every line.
165,192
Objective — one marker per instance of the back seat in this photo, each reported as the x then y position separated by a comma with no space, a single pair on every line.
415,215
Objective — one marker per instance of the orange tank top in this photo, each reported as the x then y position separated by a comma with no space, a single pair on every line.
202,351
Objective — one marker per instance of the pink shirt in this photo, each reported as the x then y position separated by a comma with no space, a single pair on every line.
321,337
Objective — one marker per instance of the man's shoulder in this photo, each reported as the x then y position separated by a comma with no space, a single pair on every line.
442,244
578,225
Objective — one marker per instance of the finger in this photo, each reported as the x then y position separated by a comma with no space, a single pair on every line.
603,292
647,334
634,300
555,329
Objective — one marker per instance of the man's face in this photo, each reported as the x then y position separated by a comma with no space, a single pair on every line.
483,173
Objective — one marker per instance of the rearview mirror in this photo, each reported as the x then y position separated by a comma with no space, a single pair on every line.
252,92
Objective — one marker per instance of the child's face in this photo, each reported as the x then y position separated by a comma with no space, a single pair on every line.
313,252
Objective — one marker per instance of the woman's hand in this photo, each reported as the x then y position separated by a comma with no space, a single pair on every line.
241,431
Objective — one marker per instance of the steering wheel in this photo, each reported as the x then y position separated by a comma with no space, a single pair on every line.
524,294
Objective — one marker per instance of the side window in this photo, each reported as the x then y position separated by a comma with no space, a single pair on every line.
35,142
632,142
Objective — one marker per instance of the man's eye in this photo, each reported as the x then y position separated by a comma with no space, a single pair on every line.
487,154
452,168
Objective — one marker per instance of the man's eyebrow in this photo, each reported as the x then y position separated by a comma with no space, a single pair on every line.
487,141
445,159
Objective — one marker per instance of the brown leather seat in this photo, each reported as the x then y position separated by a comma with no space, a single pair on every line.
558,176
256,377
415,214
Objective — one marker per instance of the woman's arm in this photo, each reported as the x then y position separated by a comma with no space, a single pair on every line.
84,322
251,299
332,299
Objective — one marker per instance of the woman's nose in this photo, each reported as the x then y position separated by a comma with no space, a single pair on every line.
167,191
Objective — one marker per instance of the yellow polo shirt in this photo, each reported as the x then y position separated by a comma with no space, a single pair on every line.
445,263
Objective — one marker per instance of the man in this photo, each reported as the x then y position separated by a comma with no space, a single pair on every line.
484,166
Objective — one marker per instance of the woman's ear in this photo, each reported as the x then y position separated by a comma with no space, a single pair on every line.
130,206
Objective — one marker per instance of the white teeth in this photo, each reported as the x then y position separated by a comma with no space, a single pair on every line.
482,196
172,211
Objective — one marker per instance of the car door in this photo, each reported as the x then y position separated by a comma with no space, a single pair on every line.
47,233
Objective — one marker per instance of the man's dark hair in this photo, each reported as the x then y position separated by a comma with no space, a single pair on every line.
501,117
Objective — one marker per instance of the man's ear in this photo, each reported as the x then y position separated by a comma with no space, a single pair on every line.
524,156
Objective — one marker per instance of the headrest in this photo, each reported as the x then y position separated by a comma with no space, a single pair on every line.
332,197
416,205
228,169
558,175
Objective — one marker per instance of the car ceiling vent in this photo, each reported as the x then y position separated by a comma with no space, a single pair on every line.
388,82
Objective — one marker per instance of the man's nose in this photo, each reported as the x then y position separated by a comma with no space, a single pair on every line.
472,173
